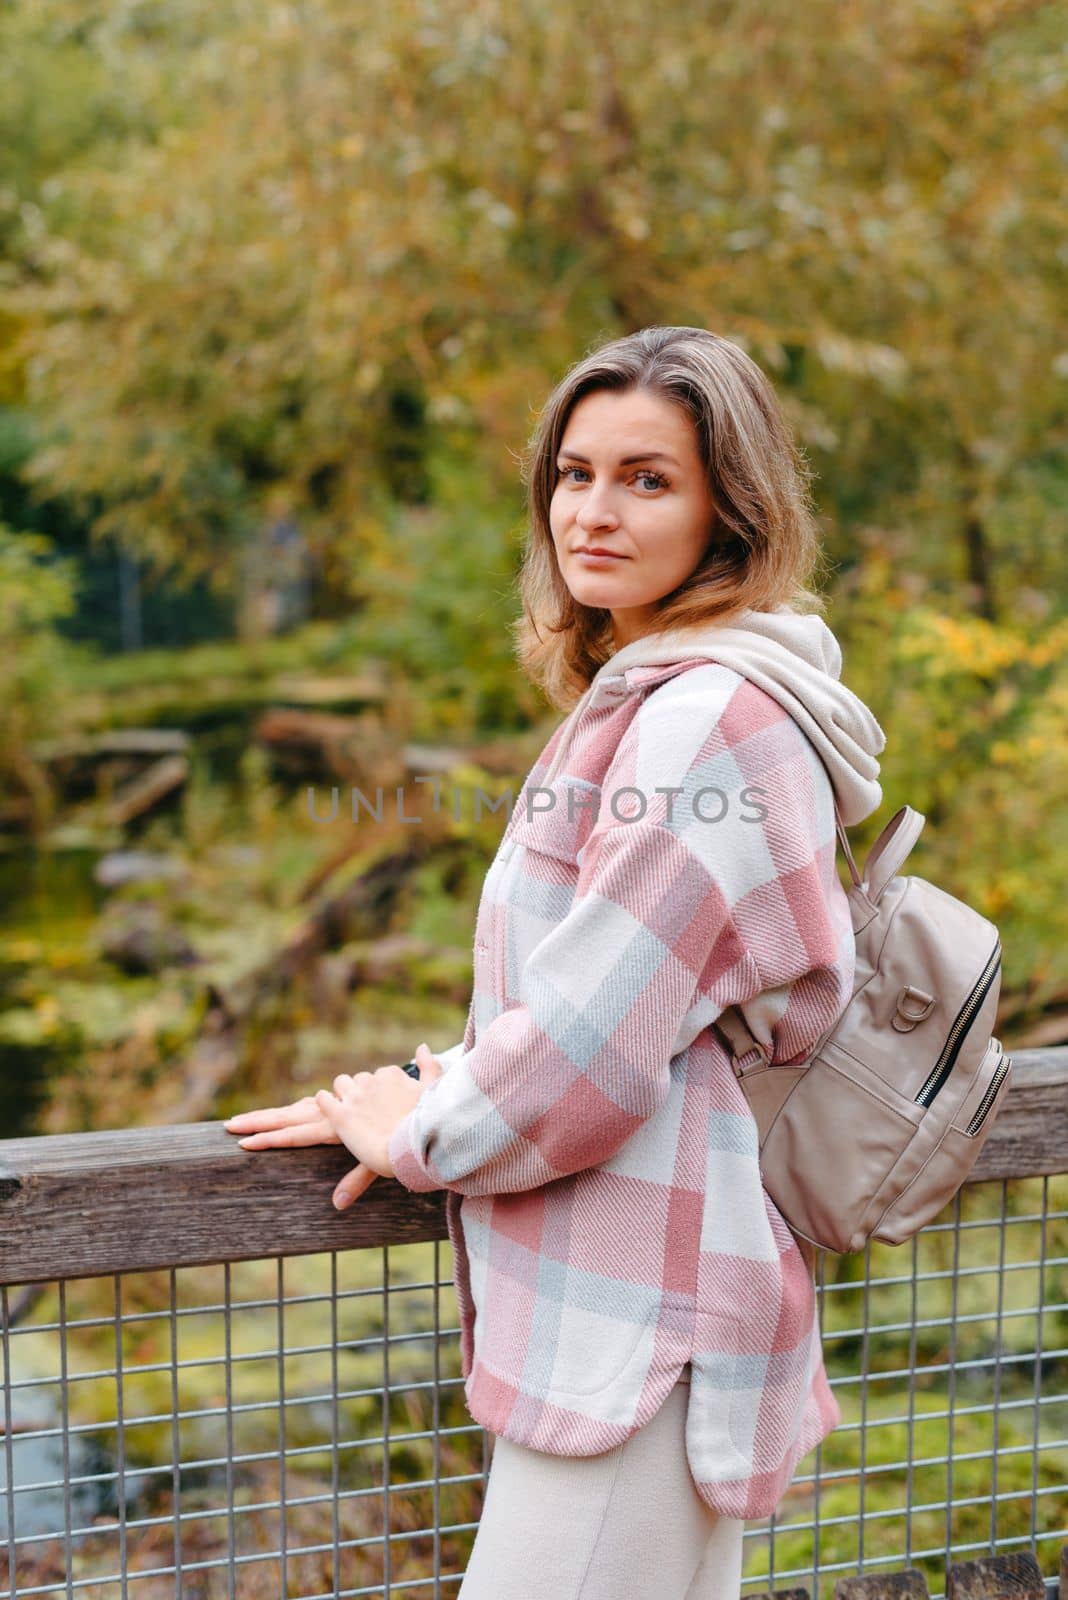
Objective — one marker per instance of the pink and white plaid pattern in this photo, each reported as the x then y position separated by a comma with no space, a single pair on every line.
605,1207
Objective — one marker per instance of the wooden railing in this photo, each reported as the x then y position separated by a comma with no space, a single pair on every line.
110,1205
86,1204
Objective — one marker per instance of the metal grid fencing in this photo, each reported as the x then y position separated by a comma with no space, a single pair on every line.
294,1425
280,1427
949,1358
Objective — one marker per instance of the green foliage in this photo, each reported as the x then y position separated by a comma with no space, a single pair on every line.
439,601
32,593
35,591
307,250
974,715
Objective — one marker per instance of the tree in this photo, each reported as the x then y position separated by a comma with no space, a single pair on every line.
344,221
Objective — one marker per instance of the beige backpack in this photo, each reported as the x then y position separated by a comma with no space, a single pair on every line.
876,1131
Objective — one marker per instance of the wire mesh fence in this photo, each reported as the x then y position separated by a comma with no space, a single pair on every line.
295,1425
278,1427
948,1358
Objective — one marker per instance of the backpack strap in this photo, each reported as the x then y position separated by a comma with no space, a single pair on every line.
892,848
843,839
747,1053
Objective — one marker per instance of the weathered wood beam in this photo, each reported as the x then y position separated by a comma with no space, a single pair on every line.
85,1204
909,1584
1013,1577
79,1205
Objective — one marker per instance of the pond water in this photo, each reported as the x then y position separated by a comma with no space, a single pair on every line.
39,1461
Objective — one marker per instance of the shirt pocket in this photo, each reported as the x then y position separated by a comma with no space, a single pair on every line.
558,820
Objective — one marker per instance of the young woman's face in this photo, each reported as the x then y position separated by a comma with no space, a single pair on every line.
630,481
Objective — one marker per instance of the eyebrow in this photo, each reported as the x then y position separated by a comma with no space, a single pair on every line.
625,461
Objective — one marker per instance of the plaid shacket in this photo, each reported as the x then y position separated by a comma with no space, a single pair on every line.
606,1211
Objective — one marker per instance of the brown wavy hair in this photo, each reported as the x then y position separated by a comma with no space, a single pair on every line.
765,547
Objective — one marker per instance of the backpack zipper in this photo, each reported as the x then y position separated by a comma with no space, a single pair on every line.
989,1097
951,1049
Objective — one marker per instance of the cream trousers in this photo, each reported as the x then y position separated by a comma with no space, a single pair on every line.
625,1525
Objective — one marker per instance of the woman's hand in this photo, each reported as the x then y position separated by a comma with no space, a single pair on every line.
365,1107
282,1127
361,1113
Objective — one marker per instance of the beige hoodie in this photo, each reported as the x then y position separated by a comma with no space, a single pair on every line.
797,660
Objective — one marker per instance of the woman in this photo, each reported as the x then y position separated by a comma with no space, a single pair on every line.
637,1322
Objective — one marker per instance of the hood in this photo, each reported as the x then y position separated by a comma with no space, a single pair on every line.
797,660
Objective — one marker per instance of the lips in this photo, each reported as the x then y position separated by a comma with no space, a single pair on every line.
596,550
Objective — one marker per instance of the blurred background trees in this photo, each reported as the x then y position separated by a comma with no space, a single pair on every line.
328,251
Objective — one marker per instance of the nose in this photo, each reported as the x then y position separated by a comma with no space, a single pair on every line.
596,510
